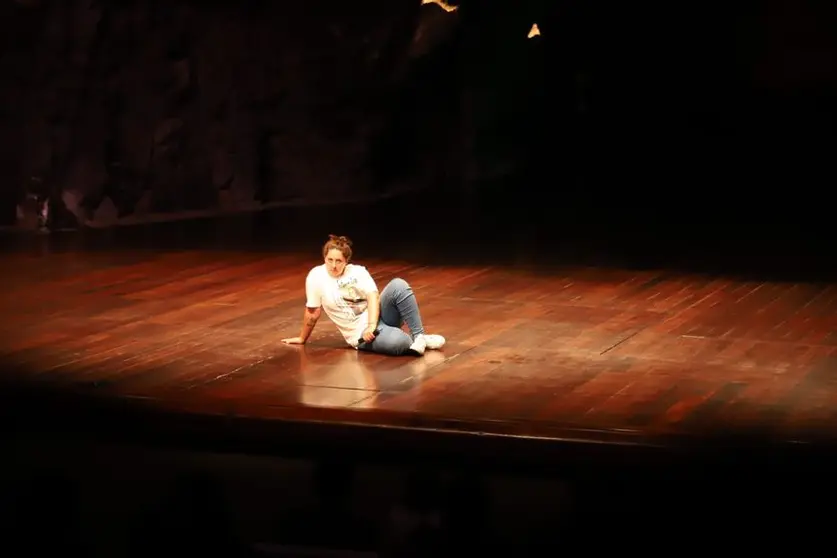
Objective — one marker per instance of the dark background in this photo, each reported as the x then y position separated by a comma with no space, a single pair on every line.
660,132
646,133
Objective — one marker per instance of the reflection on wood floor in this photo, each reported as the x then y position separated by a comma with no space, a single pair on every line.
612,353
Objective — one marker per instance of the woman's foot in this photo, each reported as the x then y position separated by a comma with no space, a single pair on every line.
434,342
418,346
425,341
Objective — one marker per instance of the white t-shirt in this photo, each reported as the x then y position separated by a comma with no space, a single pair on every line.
343,298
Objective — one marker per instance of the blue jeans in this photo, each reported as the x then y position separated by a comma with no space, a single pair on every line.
398,306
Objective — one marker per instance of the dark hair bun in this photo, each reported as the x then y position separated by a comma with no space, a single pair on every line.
339,239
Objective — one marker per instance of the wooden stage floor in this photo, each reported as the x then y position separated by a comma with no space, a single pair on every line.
575,353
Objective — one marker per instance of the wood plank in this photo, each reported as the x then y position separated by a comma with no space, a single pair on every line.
529,350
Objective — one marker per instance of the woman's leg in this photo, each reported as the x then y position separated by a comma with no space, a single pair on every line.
391,341
398,307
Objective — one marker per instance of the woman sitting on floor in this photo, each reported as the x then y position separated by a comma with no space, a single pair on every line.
369,321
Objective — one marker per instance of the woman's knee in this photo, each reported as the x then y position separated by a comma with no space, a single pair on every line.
392,342
398,284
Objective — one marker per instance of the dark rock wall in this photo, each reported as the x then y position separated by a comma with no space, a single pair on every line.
132,108
174,106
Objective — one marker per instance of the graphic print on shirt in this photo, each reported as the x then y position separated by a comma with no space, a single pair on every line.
350,296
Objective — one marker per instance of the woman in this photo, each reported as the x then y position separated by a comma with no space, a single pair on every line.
369,321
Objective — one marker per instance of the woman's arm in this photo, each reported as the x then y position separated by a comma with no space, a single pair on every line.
309,320
373,310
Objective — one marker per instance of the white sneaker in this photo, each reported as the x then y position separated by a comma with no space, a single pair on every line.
434,342
419,344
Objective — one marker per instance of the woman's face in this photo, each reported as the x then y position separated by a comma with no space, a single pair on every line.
335,262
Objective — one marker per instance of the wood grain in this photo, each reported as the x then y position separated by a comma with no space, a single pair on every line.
655,353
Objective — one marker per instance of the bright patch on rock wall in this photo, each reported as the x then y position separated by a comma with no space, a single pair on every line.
534,31
442,4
